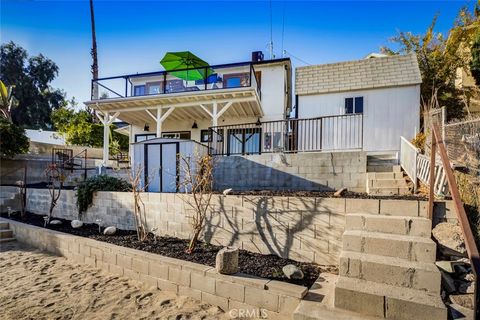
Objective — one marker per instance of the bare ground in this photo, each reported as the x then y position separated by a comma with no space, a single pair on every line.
37,285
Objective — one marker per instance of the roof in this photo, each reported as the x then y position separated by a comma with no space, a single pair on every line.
373,73
50,137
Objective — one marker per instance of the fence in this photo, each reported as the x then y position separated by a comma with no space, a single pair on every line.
332,133
462,141
417,167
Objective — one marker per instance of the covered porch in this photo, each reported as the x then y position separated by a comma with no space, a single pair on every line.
158,112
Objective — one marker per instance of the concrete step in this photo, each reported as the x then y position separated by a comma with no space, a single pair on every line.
5,234
414,226
4,225
383,168
384,175
390,245
387,301
391,270
7,240
388,191
388,183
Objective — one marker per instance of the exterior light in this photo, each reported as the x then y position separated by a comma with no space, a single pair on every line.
258,123
146,127
194,126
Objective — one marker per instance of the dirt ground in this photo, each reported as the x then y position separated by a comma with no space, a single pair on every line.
37,285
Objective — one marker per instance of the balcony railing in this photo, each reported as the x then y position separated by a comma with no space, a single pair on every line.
226,76
331,133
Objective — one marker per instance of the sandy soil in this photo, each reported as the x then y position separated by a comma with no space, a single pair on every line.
36,285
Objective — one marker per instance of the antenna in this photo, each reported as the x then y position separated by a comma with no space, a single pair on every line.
283,27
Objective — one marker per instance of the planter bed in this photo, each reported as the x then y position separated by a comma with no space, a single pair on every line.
255,264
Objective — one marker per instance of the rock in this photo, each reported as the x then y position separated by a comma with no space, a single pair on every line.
76,224
464,300
449,266
469,277
109,231
291,271
448,283
227,191
226,261
55,222
340,193
466,287
450,239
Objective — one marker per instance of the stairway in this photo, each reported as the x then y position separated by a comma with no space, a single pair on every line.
387,268
6,234
387,183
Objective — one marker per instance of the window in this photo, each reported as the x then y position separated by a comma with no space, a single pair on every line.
236,80
143,137
354,105
154,87
206,137
139,90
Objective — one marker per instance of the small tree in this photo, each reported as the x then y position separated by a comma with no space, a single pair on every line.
139,206
55,183
197,183
13,140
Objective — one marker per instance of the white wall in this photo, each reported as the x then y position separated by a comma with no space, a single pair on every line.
274,97
388,113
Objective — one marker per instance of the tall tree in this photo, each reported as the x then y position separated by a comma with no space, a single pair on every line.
32,77
475,63
94,52
439,58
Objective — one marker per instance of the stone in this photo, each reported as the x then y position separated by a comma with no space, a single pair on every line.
340,192
448,283
226,261
448,266
468,277
227,191
76,224
450,239
291,271
109,231
55,222
464,300
466,287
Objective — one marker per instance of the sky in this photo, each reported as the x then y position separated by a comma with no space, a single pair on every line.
133,36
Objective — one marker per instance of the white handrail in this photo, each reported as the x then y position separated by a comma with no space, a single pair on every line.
408,160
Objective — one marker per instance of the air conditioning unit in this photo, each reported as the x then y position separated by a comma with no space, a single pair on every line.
257,56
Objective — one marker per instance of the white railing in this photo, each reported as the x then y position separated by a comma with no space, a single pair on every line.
408,160
417,167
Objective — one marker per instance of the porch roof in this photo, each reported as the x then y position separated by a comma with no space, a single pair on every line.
244,102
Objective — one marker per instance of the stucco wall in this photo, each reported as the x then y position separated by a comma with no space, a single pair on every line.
301,171
388,113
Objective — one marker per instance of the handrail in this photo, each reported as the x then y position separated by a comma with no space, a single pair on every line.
468,236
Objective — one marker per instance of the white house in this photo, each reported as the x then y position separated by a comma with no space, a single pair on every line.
232,100
378,96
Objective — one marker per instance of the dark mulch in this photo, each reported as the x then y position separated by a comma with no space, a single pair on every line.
323,194
260,265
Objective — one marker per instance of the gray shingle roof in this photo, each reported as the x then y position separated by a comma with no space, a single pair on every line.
371,73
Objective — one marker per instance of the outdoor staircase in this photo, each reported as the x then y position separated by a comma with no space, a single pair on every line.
6,234
387,268
385,177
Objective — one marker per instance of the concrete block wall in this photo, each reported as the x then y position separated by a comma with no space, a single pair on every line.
300,171
276,300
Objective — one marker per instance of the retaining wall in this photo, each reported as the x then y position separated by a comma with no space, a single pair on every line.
300,171
300,228
273,298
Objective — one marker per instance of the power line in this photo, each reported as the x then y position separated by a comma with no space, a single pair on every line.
297,58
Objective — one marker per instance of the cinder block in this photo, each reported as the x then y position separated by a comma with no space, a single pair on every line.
230,290
149,281
167,285
179,277
158,270
261,298
134,275
140,266
202,283
124,261
189,292
371,206
399,207
115,269
220,302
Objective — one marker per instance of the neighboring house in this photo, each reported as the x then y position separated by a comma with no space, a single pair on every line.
47,137
378,96
158,104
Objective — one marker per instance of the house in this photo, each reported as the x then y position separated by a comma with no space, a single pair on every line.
379,98
159,104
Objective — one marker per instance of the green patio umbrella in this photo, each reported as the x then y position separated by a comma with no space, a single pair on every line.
186,60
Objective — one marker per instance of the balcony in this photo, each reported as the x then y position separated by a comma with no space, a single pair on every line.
228,77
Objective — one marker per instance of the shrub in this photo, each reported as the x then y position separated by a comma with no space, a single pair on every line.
98,183
419,141
13,140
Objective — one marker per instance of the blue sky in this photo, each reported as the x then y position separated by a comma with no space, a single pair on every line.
133,36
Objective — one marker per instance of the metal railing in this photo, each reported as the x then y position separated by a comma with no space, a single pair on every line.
331,133
65,160
225,76
437,144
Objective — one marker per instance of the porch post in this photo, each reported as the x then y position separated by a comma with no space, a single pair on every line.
214,115
159,122
106,138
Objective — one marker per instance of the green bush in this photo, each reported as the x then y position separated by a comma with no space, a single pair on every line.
13,140
98,183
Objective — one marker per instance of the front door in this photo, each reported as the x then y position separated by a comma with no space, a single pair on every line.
161,166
